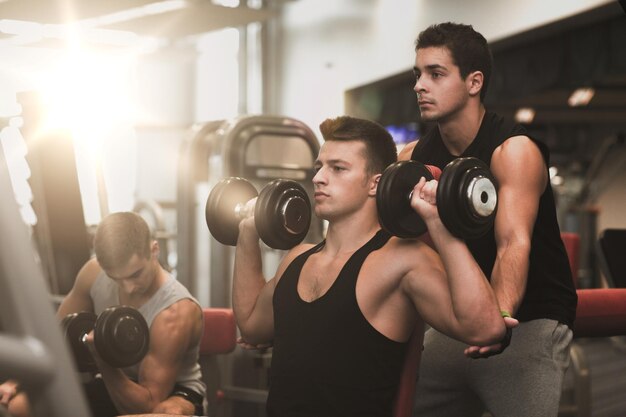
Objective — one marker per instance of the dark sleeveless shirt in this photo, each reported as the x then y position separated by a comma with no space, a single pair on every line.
550,291
328,360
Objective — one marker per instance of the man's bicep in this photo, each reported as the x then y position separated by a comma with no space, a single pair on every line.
259,328
260,325
172,334
427,286
521,173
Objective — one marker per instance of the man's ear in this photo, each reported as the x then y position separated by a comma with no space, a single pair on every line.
374,185
154,248
475,82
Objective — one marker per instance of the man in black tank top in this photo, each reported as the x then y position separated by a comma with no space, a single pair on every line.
339,313
523,255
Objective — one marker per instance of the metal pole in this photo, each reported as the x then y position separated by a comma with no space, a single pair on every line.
26,312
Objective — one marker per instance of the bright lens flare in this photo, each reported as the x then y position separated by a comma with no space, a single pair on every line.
90,95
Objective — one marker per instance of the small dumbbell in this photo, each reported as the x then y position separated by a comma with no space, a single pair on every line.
121,337
282,211
466,198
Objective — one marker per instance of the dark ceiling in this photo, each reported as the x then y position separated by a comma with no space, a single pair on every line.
541,68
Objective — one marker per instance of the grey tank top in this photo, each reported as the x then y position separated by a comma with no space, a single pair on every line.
104,293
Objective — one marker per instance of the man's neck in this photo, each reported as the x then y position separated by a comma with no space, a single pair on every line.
459,132
349,234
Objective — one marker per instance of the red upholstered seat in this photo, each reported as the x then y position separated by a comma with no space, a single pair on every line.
219,334
219,337
601,312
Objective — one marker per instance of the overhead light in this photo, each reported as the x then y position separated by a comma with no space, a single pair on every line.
581,97
226,3
553,171
525,115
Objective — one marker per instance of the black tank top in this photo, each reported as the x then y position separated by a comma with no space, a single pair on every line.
550,291
328,360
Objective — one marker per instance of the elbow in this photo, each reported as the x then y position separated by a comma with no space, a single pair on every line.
243,323
246,331
253,336
489,333
249,337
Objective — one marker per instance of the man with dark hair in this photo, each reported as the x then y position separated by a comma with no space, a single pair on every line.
340,313
126,271
523,254
378,153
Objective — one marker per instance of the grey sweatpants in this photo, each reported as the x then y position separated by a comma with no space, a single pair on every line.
523,381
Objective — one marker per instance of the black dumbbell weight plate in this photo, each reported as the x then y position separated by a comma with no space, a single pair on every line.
122,336
221,208
282,214
395,214
75,326
467,198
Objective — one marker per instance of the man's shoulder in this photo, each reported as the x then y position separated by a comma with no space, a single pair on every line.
406,253
409,246
88,273
406,152
182,309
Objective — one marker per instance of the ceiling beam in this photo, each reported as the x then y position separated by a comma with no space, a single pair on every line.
199,17
64,11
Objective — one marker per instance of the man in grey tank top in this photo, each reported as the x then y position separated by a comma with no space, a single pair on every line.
126,271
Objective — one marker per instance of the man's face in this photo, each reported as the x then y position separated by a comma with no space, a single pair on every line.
441,92
136,277
342,184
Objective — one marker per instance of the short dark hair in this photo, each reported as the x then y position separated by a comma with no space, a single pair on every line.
469,49
119,236
380,149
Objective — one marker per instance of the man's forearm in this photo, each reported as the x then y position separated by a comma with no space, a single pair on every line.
128,396
509,277
470,292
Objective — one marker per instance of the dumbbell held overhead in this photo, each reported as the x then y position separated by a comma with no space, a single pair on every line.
282,211
121,337
466,198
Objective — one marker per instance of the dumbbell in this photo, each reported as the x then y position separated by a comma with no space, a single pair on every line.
466,198
282,211
121,337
